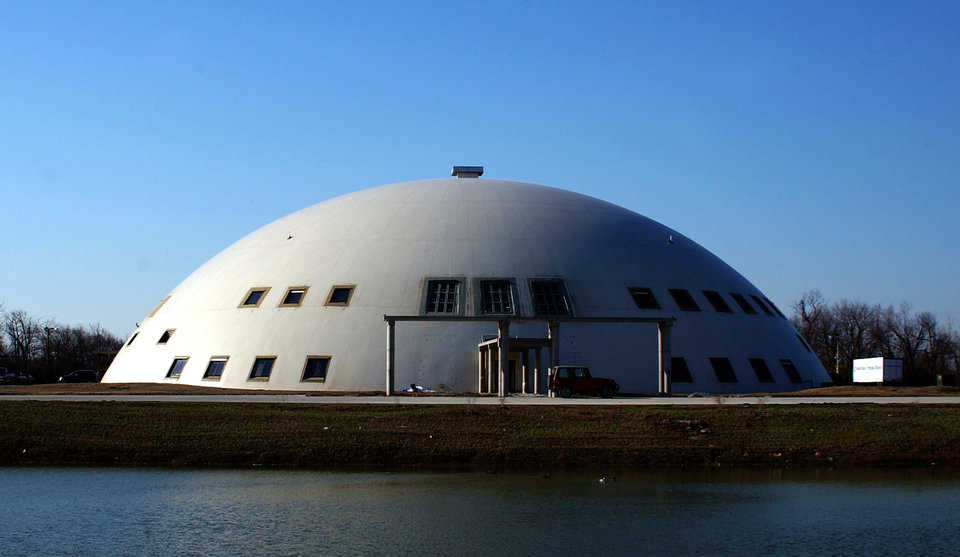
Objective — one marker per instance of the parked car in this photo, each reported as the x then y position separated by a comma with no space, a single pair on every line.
567,380
7,376
81,376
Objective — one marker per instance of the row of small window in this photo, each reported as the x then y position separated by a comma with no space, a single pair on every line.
549,296
645,299
164,337
495,296
314,369
339,295
725,373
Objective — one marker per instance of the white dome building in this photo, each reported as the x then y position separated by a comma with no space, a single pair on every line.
300,303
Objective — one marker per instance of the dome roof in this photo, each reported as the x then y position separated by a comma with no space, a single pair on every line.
385,248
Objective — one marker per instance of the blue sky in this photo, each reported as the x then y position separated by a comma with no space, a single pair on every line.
810,145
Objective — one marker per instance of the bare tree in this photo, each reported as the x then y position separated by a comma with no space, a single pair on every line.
3,342
846,330
23,334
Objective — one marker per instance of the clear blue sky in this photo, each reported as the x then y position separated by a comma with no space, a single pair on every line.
810,145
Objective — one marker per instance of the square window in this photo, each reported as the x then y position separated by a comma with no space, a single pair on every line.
254,297
549,297
760,368
340,295
262,366
679,372
443,296
717,301
723,370
791,370
165,336
684,300
315,368
742,302
215,368
294,296
762,305
644,298
176,368
496,297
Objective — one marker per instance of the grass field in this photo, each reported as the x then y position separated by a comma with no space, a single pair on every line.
472,437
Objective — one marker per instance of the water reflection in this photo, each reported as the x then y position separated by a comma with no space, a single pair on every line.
160,512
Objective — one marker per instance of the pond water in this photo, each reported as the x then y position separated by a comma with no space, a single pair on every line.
45,511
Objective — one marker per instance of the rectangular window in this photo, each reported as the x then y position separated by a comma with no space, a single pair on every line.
791,370
804,343
679,372
165,336
717,301
762,305
743,303
254,297
723,370
773,307
684,300
315,368
176,368
496,297
262,366
760,368
644,298
294,296
215,367
340,295
549,297
443,296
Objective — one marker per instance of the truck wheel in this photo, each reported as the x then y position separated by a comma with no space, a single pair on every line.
565,392
607,391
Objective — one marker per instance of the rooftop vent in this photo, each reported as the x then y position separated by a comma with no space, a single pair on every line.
467,171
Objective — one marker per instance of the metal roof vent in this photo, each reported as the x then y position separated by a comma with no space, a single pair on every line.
467,171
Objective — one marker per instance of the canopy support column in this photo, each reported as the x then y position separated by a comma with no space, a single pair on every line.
553,333
391,356
503,349
664,349
537,366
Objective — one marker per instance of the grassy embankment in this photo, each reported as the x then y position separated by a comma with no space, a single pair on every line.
474,437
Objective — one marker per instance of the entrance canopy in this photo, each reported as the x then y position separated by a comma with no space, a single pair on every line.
664,325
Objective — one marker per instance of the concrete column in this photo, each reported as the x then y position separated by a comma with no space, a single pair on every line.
503,361
553,332
391,357
489,369
526,370
479,371
537,366
665,351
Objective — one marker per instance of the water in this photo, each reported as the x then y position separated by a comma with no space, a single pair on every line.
163,512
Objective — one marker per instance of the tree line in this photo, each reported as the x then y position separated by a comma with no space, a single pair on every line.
837,332
47,349
840,332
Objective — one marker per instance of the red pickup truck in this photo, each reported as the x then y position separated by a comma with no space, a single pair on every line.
567,380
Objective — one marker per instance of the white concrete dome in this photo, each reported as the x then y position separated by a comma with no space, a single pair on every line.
461,246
